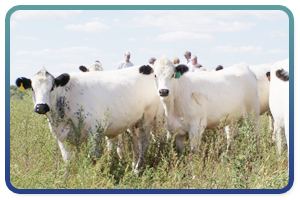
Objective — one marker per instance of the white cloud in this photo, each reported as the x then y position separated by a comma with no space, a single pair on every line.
27,38
54,53
22,15
182,35
88,27
279,34
239,49
201,22
275,51
132,39
116,20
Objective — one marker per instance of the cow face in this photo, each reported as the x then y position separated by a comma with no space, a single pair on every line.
165,73
42,84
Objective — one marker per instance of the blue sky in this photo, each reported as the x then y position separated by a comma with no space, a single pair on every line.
61,41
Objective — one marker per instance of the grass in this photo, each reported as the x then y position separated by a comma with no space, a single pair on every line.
36,160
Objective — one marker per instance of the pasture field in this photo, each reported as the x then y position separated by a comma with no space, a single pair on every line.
36,160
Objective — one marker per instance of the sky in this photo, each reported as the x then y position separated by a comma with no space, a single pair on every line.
61,41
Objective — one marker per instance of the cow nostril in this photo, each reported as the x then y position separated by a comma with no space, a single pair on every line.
41,108
163,92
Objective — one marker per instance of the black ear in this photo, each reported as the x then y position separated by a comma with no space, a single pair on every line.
145,69
62,79
268,75
219,67
23,81
83,68
282,74
181,69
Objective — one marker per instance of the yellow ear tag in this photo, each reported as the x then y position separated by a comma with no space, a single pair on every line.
22,89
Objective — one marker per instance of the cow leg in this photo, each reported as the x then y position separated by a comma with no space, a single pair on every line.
228,136
169,135
278,137
140,145
109,144
95,139
60,135
118,142
195,134
135,146
120,146
271,125
143,135
66,155
179,141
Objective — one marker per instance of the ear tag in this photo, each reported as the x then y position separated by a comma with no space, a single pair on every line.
22,89
177,75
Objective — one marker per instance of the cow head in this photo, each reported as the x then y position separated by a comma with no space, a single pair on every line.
165,73
42,84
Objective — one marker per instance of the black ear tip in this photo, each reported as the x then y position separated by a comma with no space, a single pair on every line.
282,74
83,68
62,79
219,67
25,81
145,69
18,82
66,77
182,68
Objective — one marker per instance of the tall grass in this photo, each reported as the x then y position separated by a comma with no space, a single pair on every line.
250,162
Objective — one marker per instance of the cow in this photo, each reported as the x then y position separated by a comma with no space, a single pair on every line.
263,87
97,66
195,101
83,103
279,104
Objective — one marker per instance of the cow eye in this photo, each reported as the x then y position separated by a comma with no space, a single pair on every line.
155,75
173,75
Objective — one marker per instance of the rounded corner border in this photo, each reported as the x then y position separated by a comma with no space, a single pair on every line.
15,8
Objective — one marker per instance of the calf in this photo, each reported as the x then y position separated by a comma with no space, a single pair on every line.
194,101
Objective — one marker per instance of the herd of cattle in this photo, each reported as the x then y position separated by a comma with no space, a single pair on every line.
134,98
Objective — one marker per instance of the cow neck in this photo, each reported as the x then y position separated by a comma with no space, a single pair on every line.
170,102
177,97
56,94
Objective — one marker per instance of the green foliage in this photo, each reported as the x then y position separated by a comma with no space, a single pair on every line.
251,161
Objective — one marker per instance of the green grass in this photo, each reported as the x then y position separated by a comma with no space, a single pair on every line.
36,160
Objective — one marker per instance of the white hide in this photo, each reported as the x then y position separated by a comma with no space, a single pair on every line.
115,99
279,106
200,100
263,83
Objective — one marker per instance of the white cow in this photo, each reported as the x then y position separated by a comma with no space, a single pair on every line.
279,104
195,101
263,87
82,103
